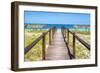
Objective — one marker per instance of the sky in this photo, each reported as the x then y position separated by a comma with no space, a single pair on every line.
37,17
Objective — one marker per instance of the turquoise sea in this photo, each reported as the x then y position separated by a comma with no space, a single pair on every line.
58,26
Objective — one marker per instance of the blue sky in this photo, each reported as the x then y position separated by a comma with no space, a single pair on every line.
37,17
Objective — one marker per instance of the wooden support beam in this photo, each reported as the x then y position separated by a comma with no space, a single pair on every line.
68,36
74,45
43,47
50,37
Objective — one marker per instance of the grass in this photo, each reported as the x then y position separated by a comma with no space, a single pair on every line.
31,35
83,35
35,54
81,51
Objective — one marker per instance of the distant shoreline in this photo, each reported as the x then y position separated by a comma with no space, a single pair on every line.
46,26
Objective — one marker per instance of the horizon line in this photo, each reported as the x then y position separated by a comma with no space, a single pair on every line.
52,24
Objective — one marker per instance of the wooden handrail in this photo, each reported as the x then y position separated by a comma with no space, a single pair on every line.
64,36
81,41
32,44
74,37
26,49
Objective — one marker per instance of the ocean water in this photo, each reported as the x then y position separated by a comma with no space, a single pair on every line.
81,29
58,26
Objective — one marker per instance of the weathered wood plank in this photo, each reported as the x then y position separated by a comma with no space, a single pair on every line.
57,50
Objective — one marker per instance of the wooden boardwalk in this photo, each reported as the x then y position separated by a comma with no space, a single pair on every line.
57,50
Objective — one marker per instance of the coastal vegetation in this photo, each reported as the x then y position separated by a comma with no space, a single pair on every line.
35,54
81,51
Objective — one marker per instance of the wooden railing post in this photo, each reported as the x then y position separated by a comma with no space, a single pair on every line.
43,47
52,33
54,30
65,32
68,36
50,37
74,45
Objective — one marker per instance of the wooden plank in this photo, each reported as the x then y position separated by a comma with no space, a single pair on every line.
57,50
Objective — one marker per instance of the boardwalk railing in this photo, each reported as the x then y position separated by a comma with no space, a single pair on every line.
66,31
64,36
51,32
